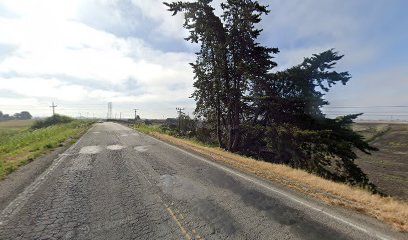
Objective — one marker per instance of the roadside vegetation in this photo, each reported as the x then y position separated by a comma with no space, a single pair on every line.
23,141
56,119
387,209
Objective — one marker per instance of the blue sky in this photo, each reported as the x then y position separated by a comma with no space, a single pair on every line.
83,54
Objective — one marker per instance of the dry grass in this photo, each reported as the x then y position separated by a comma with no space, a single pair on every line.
386,209
16,124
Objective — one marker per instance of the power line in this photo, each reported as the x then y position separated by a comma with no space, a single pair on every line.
352,112
384,115
392,106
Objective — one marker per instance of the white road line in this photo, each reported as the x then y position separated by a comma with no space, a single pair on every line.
14,206
369,231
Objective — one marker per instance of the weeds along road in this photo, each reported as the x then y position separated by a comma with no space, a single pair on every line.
116,183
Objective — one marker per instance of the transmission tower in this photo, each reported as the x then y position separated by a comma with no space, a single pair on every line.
109,110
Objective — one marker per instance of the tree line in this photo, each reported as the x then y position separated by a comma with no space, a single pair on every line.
252,109
24,115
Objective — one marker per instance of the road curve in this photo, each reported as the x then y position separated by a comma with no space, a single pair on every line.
116,183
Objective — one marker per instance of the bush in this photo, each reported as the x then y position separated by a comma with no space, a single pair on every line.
56,119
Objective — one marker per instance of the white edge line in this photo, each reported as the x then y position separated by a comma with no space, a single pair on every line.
367,230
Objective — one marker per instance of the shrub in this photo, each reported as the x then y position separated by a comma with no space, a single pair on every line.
56,119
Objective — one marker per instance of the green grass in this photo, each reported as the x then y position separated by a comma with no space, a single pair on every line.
12,127
21,145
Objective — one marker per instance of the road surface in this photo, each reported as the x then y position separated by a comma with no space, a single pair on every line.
116,183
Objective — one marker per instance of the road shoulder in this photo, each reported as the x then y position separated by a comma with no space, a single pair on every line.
366,222
17,181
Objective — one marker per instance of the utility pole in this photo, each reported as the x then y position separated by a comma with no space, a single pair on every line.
180,112
135,114
120,115
53,106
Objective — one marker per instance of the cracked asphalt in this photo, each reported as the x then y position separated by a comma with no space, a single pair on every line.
116,183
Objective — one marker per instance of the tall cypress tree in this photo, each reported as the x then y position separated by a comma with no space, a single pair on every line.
248,60
211,67
228,63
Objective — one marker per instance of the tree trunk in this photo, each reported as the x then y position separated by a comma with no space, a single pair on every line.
219,133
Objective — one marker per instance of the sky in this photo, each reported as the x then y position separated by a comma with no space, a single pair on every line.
82,54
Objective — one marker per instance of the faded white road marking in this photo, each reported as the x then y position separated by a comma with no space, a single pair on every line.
141,148
90,150
65,154
115,147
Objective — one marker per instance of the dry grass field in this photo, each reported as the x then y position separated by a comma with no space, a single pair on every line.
16,124
387,168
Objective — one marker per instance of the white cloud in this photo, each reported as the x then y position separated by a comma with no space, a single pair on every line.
169,26
43,88
48,48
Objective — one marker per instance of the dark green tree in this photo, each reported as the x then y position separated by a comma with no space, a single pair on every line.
293,129
24,115
249,62
210,68
228,62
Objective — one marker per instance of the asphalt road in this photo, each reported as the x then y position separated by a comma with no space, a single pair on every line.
116,183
